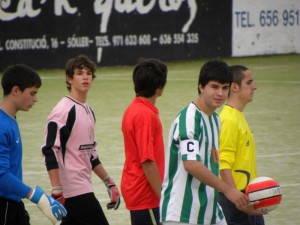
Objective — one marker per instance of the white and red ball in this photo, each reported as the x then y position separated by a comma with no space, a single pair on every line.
267,191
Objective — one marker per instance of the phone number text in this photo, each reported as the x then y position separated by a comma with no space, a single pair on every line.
268,18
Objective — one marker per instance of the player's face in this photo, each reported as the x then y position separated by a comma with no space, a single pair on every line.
82,80
247,87
214,95
27,98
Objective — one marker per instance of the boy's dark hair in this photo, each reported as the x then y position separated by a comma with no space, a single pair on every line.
214,70
238,73
148,75
21,76
79,62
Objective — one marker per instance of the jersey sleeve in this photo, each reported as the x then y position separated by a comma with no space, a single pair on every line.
228,143
9,183
51,146
145,137
95,160
94,157
189,133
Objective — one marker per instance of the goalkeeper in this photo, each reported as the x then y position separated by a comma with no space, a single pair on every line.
70,150
20,85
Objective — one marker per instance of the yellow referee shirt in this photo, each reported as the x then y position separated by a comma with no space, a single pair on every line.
237,147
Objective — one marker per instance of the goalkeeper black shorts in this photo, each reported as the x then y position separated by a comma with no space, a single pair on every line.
12,213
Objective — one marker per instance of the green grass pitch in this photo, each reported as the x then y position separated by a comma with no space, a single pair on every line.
273,116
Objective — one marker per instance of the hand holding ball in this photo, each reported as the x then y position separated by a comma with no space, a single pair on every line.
265,190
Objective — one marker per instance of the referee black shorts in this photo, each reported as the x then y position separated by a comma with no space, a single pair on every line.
234,216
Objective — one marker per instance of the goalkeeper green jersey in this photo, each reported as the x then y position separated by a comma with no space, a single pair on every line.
237,147
193,136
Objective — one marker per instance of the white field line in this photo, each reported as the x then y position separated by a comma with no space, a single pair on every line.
257,81
120,77
271,67
45,172
290,185
121,167
169,72
115,75
278,81
279,154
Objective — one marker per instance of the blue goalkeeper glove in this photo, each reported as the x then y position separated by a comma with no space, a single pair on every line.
48,205
113,193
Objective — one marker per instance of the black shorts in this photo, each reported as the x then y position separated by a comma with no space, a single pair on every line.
234,216
145,217
12,213
84,209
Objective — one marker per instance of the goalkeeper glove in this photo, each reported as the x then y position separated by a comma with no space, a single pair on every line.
113,193
48,205
57,194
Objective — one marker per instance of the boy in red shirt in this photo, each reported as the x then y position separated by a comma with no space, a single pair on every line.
144,148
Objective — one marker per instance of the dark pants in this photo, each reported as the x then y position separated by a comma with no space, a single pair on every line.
84,210
234,216
145,217
13,213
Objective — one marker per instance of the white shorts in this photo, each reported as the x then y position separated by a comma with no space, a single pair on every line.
223,222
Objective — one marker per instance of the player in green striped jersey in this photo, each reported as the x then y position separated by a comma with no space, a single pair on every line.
191,181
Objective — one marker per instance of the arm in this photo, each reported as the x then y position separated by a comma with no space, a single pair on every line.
112,189
249,209
48,150
227,177
228,142
54,177
152,174
52,208
49,206
11,184
200,172
100,171
57,189
147,126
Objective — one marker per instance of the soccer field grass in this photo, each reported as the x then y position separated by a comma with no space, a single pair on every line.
273,117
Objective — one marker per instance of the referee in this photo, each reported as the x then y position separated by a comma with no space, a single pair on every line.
237,148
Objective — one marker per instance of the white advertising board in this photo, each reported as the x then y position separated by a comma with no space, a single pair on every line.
265,27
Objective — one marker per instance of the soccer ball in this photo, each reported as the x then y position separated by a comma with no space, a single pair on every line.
267,191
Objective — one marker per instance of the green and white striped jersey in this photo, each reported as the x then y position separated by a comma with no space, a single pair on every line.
193,136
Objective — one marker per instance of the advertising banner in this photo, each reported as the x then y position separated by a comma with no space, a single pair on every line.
45,33
265,27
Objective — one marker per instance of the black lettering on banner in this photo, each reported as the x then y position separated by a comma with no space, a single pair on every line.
177,30
189,147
